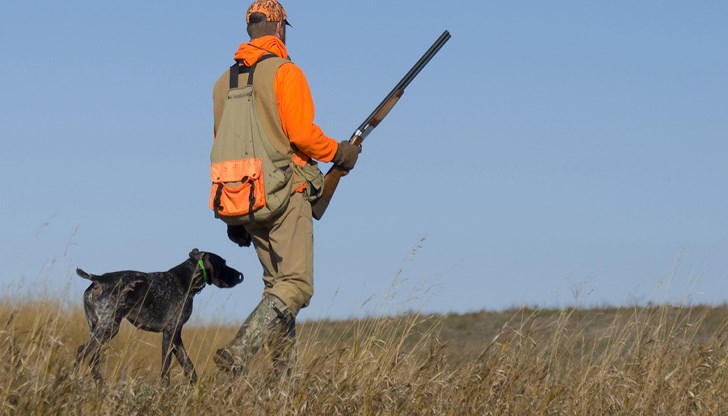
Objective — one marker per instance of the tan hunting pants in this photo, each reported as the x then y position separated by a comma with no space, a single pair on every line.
285,250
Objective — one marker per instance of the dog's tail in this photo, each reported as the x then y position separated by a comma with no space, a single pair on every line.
83,274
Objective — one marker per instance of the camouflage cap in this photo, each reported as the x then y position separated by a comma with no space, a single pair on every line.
271,9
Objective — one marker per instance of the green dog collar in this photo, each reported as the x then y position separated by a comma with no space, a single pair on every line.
202,267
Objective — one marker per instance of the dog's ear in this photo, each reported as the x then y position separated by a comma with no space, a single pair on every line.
83,274
195,254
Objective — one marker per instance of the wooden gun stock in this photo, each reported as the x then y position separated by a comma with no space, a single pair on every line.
334,175
331,181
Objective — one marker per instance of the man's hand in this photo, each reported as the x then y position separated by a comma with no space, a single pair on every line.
346,155
239,235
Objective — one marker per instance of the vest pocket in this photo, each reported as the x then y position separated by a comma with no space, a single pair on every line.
237,187
313,178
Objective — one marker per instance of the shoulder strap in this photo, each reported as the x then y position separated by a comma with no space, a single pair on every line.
238,68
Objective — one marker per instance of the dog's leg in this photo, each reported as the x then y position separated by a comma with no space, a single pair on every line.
84,350
93,348
96,363
166,354
172,343
184,360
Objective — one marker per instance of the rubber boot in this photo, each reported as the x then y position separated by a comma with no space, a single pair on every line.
284,350
270,318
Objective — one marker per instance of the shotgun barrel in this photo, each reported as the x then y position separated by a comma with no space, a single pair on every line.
335,173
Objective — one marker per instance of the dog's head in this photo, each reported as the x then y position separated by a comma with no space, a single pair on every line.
212,269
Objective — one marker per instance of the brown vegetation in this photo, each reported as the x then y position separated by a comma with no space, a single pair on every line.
642,361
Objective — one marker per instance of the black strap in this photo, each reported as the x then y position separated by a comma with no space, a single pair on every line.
239,68
216,202
251,201
234,72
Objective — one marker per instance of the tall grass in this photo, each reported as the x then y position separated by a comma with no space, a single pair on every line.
641,361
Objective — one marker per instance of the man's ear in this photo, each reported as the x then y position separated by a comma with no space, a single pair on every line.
281,31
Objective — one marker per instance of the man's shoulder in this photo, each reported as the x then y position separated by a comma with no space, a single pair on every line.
288,67
274,60
284,67
222,84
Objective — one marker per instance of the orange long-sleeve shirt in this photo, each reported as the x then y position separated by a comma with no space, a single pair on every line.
293,96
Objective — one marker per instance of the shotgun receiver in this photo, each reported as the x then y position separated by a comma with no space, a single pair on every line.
335,173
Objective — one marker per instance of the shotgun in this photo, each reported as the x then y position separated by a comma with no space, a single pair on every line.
335,173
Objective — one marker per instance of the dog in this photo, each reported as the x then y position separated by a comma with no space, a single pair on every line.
156,302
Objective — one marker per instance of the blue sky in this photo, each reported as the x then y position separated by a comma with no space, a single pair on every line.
552,153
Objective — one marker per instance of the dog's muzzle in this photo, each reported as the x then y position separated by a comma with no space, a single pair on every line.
226,278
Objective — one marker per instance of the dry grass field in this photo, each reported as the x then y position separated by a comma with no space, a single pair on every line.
660,360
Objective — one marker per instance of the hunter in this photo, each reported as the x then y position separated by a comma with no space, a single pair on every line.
284,244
